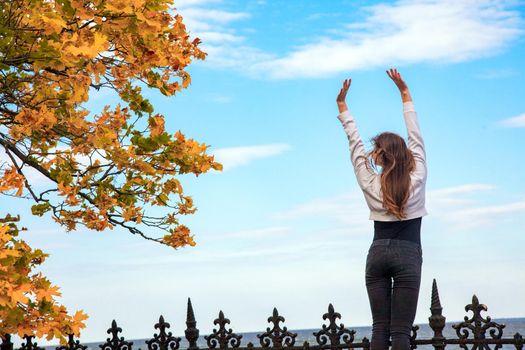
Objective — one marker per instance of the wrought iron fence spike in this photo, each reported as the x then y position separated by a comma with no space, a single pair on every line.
191,332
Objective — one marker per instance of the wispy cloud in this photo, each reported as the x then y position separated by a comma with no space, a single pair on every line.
487,215
471,206
218,37
225,47
461,189
348,209
389,34
443,198
208,23
514,122
199,19
403,33
460,207
232,157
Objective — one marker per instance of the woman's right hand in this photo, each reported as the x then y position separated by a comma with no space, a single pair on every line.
341,98
396,77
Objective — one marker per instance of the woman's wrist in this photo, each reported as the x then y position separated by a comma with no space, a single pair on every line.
342,106
405,95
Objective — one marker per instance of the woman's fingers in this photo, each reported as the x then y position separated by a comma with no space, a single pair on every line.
345,86
340,97
394,72
394,75
342,93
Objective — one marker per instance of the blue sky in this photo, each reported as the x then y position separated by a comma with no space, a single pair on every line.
285,224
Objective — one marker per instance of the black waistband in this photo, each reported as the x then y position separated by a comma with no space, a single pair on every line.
409,230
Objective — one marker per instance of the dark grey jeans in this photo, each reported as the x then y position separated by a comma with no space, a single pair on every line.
393,305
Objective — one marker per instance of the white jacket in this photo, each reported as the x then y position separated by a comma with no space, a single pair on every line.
369,181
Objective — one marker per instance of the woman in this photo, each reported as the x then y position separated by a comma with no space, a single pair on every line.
396,198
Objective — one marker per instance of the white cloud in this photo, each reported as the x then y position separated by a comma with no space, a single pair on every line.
217,37
402,33
232,157
514,122
463,208
209,24
459,207
234,56
389,34
224,46
483,215
461,189
202,15
443,198
345,208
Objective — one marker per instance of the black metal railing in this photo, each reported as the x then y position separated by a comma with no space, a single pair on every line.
474,333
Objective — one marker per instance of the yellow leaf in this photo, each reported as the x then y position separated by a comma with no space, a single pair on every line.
124,7
78,47
18,294
47,293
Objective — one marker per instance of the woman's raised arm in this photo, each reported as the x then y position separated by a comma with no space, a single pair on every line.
415,140
357,149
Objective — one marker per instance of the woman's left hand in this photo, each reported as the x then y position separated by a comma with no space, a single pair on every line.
341,98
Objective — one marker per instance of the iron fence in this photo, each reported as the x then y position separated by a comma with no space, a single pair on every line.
474,333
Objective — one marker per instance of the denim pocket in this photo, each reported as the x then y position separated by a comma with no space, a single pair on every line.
411,254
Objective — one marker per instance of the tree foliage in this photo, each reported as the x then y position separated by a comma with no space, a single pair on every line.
115,168
27,304
112,168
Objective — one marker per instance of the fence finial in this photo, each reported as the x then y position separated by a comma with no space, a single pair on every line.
191,332
435,305
437,320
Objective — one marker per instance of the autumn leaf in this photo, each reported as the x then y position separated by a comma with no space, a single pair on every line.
18,294
86,47
48,293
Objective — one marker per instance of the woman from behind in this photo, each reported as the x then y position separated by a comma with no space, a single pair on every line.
395,195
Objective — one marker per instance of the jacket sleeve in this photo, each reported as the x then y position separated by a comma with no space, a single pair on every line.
415,141
364,175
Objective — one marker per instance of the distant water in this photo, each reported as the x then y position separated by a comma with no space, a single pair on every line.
512,325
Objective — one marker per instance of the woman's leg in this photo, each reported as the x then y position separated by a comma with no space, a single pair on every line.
379,289
407,279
